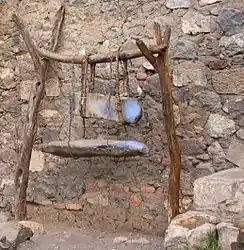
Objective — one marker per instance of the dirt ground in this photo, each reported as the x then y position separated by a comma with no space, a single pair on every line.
63,238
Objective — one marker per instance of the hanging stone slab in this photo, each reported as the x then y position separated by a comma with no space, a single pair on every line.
104,107
93,148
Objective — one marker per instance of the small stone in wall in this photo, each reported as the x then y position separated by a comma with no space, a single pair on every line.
208,99
176,114
25,89
230,20
183,74
7,79
147,65
176,4
221,81
203,169
142,241
192,147
206,2
240,134
37,161
235,107
194,23
218,126
237,39
52,88
217,155
185,49
215,63
50,114
120,239
236,153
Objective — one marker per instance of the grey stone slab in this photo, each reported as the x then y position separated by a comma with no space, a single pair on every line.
91,148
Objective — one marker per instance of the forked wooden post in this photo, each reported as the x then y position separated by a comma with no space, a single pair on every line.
41,67
161,65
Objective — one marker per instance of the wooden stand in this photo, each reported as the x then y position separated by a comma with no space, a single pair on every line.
161,65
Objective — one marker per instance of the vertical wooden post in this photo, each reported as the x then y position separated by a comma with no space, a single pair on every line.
161,65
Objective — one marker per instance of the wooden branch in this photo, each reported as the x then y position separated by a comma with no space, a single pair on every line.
98,58
22,170
146,52
167,34
161,65
158,34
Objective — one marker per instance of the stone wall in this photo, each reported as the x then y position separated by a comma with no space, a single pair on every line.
207,48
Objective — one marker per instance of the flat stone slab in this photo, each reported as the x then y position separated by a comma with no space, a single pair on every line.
92,148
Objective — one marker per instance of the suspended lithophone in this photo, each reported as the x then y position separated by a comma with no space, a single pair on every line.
92,148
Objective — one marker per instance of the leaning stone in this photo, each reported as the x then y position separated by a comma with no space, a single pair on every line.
218,126
221,193
194,23
227,233
197,236
12,234
35,227
236,153
176,4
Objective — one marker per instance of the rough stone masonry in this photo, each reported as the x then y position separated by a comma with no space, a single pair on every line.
207,52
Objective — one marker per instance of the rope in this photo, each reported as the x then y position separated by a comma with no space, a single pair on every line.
71,110
83,95
117,86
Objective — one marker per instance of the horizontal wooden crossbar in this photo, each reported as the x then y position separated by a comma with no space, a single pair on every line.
97,58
